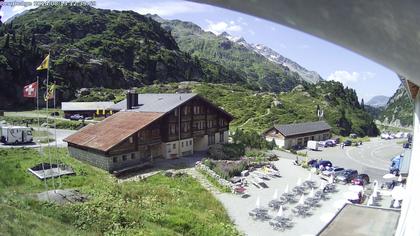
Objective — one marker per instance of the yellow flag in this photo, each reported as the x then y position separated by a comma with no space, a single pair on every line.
50,93
44,64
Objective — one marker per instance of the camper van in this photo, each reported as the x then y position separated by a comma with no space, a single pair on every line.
313,145
16,135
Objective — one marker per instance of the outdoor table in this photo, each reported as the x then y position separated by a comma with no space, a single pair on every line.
301,210
259,213
298,189
309,184
280,222
276,203
311,201
288,196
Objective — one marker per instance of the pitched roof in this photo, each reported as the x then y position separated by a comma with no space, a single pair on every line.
113,130
156,102
302,128
85,106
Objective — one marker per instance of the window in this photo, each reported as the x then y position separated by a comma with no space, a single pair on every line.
222,138
182,144
186,110
124,157
190,142
131,139
176,112
185,127
172,129
115,159
133,156
174,146
168,147
211,139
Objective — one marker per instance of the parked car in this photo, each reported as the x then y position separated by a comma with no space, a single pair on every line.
332,171
406,145
323,163
346,176
361,179
298,147
76,117
347,142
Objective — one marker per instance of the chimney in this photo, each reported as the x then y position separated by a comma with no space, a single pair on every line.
132,99
135,99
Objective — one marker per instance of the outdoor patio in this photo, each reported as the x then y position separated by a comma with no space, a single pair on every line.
298,216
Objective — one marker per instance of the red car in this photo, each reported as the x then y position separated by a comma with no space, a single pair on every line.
361,179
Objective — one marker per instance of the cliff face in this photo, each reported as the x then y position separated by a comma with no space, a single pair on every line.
93,48
399,109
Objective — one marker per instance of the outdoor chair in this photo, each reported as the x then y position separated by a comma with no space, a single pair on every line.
281,223
259,214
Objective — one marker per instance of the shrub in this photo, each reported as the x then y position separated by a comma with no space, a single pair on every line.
226,151
227,169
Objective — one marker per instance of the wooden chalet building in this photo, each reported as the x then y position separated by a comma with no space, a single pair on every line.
149,126
290,135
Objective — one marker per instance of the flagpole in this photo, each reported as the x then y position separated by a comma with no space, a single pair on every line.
39,132
48,126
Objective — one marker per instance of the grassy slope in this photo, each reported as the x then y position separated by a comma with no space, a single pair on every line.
156,206
21,222
251,107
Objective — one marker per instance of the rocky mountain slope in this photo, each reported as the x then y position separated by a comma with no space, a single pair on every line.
378,101
399,109
94,48
236,55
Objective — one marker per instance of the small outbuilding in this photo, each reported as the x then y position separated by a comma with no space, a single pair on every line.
87,109
298,134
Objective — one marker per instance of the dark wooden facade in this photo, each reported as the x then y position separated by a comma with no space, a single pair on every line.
194,118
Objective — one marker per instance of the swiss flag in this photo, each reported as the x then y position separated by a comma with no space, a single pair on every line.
30,90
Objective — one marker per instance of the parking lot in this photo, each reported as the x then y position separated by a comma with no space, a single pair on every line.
372,158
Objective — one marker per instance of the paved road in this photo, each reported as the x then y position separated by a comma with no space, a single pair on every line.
372,158
61,134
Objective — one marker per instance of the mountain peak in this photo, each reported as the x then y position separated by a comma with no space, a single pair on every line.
225,34
378,101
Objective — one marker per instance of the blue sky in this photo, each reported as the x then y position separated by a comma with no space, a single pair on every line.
332,62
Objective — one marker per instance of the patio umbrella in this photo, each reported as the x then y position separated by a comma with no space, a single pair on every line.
396,204
375,193
398,193
276,194
389,176
322,186
331,179
370,201
286,190
280,212
312,193
399,178
309,176
299,182
301,200
258,203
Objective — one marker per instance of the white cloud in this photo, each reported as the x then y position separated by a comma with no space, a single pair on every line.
18,9
273,28
222,26
251,32
347,78
171,8
1,14
304,46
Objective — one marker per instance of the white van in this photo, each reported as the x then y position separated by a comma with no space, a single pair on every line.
16,134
